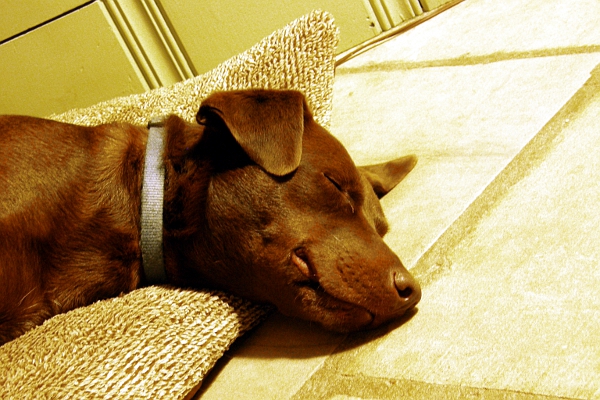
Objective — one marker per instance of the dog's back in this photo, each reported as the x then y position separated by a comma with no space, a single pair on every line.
56,213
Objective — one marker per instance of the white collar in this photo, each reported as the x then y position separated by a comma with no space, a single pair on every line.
151,217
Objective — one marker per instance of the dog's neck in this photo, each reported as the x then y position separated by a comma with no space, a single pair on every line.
151,217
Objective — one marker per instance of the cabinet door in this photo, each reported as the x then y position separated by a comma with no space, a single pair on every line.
73,61
211,31
19,15
55,56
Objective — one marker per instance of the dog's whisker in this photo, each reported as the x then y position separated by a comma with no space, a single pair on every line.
35,305
23,298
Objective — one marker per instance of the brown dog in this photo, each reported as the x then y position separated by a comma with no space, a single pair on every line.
259,200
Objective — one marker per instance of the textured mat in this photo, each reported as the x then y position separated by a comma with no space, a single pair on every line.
156,342
159,342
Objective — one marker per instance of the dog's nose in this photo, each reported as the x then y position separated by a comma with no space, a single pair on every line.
408,289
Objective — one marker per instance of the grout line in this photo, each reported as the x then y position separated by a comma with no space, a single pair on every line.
403,27
471,60
329,382
434,261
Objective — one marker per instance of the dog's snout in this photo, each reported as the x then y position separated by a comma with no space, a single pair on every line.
408,288
408,293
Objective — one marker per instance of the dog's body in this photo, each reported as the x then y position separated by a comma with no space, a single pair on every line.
259,200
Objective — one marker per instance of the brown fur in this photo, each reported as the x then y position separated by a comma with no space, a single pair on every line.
259,200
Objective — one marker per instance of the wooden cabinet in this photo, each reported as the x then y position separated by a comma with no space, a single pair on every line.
18,16
73,61
57,55
214,30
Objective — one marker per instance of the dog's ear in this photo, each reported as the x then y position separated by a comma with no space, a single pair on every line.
267,124
385,176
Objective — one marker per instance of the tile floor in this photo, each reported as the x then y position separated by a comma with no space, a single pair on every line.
500,220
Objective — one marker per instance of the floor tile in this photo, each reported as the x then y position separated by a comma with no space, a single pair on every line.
465,123
518,304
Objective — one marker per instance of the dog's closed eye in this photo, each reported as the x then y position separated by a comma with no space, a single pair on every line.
339,187
335,183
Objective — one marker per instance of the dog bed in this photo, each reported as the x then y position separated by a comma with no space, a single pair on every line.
160,341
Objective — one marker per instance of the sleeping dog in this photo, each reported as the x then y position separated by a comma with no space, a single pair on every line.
256,199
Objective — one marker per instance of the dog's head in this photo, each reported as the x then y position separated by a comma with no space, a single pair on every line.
271,207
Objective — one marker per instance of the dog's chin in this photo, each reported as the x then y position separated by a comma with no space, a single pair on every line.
333,314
